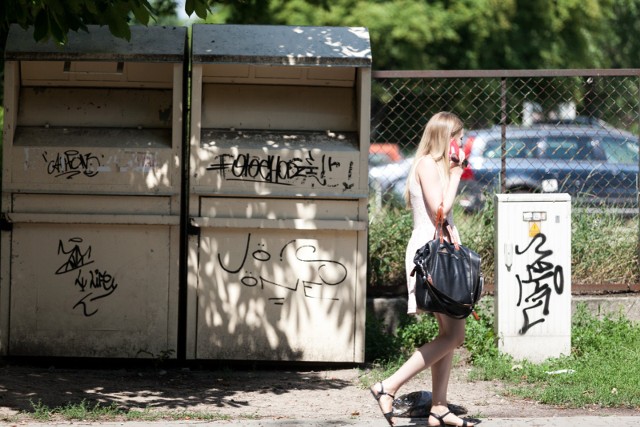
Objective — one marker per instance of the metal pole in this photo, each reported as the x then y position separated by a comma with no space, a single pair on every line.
638,190
503,143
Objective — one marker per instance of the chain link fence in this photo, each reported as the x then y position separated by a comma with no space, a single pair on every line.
568,131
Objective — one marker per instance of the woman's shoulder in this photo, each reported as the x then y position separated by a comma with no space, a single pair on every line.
426,164
426,160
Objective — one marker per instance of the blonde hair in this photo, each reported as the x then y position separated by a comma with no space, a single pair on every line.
435,142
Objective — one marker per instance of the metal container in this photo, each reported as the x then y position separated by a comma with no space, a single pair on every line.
91,194
278,193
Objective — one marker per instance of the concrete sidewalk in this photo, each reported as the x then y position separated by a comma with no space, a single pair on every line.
590,421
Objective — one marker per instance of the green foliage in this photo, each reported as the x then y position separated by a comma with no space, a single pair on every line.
380,345
465,34
480,337
616,260
477,232
462,34
619,41
53,19
389,232
601,370
615,237
75,411
416,331
199,7
86,411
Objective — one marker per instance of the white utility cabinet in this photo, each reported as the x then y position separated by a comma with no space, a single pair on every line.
533,275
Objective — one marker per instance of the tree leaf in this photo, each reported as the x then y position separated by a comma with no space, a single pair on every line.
189,7
91,6
140,12
118,25
202,8
41,26
59,35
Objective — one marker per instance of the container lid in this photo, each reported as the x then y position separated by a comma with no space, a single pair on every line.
281,45
148,44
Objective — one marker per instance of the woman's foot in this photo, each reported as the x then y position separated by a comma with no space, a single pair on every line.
385,401
442,417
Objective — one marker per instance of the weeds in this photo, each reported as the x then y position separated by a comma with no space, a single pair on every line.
616,258
389,232
602,369
615,236
75,411
86,411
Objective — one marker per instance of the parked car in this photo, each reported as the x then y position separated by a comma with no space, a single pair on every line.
383,153
597,166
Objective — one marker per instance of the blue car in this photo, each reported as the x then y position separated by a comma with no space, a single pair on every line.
596,164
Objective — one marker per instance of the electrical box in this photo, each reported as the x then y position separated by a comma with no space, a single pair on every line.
533,275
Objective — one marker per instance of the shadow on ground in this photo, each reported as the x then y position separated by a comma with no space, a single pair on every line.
135,386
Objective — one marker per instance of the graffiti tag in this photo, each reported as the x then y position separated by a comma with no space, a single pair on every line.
94,284
275,170
320,273
71,163
536,284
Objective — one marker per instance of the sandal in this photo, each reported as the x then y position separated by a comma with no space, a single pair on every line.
440,418
377,395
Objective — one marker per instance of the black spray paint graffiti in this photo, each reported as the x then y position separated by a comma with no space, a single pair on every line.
100,284
539,274
322,273
71,163
276,170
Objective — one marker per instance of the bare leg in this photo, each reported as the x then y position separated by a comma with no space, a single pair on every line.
451,335
441,371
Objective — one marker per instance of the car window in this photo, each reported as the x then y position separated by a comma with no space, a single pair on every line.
620,150
567,148
517,148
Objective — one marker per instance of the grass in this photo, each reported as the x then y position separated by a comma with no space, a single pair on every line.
614,237
604,248
86,411
602,369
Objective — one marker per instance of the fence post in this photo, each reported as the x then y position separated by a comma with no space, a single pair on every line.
503,143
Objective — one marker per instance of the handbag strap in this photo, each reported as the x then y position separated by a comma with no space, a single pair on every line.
441,225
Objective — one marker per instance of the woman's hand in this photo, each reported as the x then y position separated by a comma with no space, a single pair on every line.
456,167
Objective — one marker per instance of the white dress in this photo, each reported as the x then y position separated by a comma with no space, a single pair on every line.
423,230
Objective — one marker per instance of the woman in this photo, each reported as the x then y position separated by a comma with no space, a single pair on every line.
433,180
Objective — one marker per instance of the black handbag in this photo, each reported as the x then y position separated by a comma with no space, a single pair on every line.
448,276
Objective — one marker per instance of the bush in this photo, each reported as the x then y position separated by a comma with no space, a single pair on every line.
604,248
615,261
601,370
380,346
477,232
389,232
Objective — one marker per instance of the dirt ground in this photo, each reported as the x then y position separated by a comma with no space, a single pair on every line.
242,391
